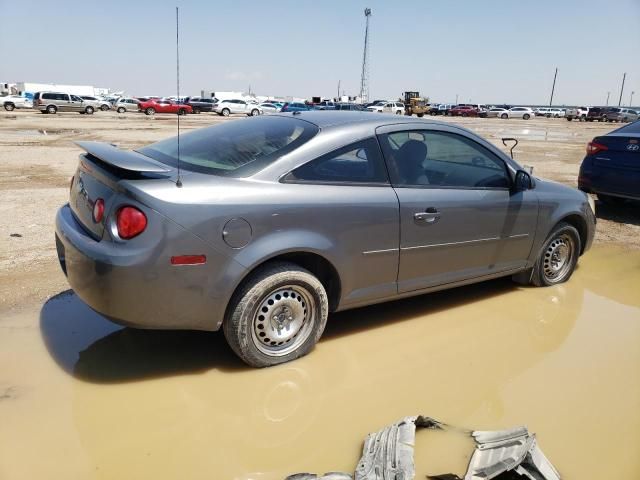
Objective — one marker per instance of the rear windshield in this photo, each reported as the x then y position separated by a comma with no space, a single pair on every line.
235,149
630,128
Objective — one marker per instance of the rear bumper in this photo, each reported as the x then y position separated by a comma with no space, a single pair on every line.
624,183
136,285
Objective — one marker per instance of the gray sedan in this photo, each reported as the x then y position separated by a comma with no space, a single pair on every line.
264,226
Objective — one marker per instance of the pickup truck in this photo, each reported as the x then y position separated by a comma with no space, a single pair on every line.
11,102
579,113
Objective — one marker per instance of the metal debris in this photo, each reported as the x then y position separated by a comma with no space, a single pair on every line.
388,455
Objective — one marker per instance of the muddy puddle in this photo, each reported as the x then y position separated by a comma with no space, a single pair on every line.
82,398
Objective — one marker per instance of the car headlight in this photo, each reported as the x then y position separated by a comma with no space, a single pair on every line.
592,203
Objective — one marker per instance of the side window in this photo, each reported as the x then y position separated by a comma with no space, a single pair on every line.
63,96
441,160
359,162
76,99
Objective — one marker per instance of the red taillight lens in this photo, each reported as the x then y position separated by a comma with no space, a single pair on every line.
595,147
98,210
131,222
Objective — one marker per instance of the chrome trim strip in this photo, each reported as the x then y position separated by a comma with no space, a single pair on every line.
493,239
378,252
520,235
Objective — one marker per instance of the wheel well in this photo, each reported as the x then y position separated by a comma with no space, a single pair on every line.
579,224
319,266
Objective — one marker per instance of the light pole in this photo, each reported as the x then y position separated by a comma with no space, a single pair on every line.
608,93
456,99
631,98
622,89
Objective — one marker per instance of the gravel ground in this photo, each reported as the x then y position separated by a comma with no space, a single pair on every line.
38,157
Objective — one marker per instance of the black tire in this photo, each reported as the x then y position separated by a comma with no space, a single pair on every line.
420,115
150,111
611,200
52,109
255,112
104,108
504,116
225,112
89,110
196,110
249,336
526,116
9,107
569,119
182,111
121,110
562,238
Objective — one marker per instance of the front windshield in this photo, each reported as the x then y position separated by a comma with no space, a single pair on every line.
236,149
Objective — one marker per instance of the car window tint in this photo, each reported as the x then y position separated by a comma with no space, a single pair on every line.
356,163
441,160
236,149
76,99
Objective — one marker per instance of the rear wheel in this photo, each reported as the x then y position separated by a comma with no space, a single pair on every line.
121,110
150,111
558,257
504,116
255,112
182,111
196,110
420,115
225,112
104,108
9,107
89,110
52,109
526,116
399,112
277,316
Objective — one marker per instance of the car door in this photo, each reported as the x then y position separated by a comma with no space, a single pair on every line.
241,106
459,218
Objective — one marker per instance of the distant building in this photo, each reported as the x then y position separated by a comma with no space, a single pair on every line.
28,89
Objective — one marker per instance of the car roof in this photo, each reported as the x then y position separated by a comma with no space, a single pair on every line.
331,118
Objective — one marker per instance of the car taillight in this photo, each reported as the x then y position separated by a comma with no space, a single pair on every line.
98,210
595,147
130,222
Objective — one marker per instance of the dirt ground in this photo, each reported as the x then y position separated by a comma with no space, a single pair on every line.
38,158
83,398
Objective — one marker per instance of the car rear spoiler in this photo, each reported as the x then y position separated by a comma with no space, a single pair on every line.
127,160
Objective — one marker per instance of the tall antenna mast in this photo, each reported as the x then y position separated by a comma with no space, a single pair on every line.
179,181
364,79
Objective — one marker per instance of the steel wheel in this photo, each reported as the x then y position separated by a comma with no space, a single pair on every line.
558,258
283,321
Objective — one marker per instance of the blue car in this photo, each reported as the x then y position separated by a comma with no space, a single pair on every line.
611,168
296,107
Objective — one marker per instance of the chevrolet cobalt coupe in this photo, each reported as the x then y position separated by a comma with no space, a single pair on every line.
263,226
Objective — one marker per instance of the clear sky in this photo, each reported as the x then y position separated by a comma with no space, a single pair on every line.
486,51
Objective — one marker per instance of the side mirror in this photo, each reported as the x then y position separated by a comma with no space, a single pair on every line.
523,181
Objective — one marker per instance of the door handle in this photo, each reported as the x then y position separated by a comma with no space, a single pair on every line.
429,216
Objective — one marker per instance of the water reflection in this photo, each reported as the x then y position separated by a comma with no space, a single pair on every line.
180,403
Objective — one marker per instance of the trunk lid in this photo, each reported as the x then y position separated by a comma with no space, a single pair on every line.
99,171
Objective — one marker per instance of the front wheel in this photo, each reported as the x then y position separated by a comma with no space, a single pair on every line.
558,257
196,110
526,116
52,109
255,112
89,110
121,110
9,107
277,316
104,107
504,116
182,111
225,112
150,111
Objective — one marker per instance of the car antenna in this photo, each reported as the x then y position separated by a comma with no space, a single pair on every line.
179,181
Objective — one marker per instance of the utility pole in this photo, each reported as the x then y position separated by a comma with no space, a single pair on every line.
456,99
364,79
338,90
608,93
631,98
624,75
553,88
